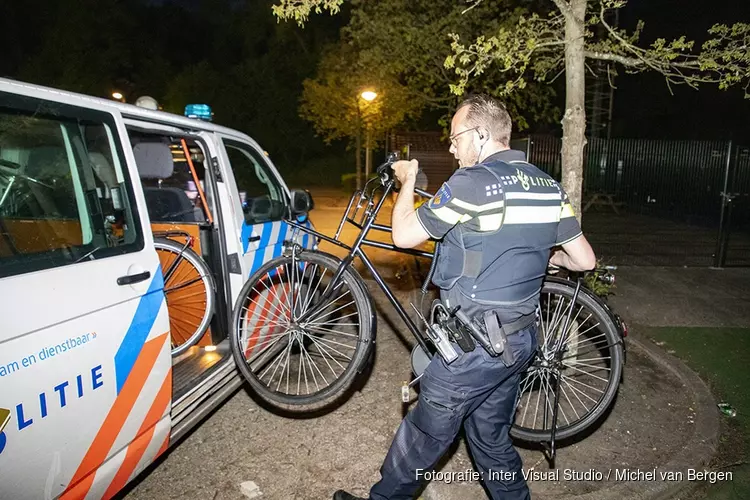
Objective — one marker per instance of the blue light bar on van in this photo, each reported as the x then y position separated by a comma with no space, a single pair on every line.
200,111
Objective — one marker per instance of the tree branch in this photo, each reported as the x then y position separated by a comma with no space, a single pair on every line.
669,60
633,62
544,46
476,2
663,68
564,8
559,73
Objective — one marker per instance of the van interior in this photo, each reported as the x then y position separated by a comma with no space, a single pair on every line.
181,205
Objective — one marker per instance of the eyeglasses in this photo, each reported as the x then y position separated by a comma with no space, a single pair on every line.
455,136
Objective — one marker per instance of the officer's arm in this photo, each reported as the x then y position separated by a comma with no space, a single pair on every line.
407,231
576,255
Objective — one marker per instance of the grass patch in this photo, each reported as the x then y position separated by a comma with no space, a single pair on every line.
721,356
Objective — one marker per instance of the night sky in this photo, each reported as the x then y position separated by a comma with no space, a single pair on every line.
643,105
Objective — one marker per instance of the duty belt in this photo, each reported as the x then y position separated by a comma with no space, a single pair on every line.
498,334
488,333
509,328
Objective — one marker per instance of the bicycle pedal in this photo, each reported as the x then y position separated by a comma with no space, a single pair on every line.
405,394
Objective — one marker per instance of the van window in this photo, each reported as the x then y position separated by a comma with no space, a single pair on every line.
64,190
169,186
261,194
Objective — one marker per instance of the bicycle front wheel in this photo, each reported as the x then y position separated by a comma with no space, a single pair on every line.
579,366
298,337
189,291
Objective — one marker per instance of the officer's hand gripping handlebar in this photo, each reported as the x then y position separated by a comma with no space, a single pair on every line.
384,171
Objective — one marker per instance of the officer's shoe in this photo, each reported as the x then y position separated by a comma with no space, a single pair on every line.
343,495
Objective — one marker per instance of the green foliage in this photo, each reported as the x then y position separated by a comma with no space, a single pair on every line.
234,56
409,39
526,44
300,10
535,45
333,103
600,288
259,64
404,42
728,53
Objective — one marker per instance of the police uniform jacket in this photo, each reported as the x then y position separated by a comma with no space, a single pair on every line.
497,221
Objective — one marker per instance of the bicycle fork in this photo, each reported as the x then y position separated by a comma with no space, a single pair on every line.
550,448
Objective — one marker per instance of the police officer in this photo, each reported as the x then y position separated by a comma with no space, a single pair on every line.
498,217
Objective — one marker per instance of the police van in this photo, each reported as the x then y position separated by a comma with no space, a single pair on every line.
126,235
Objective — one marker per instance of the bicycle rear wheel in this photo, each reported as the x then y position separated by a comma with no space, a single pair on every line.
584,363
189,291
302,365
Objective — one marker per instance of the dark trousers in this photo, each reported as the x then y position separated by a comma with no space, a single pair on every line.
478,392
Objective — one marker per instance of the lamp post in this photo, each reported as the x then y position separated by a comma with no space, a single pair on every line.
369,96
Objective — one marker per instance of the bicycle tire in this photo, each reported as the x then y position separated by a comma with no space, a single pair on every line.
189,290
258,340
603,337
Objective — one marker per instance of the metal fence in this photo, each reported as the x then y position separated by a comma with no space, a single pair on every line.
661,202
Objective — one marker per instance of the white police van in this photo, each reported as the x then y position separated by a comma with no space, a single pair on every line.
90,393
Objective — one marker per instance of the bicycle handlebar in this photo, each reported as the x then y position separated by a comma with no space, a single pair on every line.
384,171
386,174
423,193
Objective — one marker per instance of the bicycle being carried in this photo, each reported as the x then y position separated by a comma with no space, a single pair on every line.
304,327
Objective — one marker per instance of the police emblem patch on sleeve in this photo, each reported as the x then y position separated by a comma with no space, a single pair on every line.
441,198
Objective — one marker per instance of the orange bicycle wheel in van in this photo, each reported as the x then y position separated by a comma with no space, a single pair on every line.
189,291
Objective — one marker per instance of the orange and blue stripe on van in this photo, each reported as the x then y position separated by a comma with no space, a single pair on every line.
268,249
134,362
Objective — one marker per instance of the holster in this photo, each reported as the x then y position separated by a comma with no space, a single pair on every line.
457,331
486,331
498,338
493,336
461,335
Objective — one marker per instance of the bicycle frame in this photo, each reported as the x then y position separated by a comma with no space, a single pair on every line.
365,199
367,222
188,244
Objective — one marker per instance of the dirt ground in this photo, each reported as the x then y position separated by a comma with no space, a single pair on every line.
311,458
651,422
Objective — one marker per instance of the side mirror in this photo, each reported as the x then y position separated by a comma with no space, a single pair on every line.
263,209
302,202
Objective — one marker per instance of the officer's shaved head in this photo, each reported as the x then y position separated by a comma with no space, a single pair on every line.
488,113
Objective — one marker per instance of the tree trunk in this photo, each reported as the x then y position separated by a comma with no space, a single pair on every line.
574,121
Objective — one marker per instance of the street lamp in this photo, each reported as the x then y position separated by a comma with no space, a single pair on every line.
369,96
117,96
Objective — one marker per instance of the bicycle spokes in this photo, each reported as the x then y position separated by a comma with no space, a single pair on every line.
572,372
299,357
188,290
